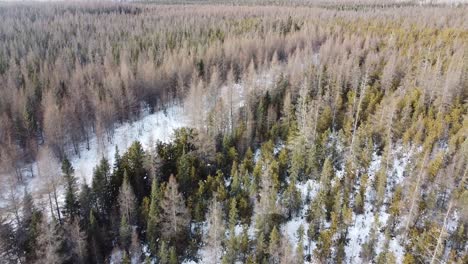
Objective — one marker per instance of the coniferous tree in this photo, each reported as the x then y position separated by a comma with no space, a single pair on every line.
133,162
299,256
71,206
163,255
100,188
173,256
154,219
274,246
232,241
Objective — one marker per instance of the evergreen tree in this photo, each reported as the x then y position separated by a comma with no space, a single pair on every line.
126,258
153,216
232,243
173,256
117,176
163,253
300,245
244,243
325,182
29,231
133,162
71,206
292,198
261,248
125,232
185,178
274,246
100,188
324,243
85,201
266,209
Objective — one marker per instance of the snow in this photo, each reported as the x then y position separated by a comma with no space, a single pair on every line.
148,129
397,249
291,227
452,222
308,189
360,229
357,235
151,127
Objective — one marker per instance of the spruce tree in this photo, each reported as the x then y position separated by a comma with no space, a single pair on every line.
163,255
274,246
125,232
100,188
71,206
154,215
173,256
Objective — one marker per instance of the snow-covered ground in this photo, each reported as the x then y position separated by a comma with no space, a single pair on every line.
148,129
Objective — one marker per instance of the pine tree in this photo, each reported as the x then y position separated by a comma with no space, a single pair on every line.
292,198
316,215
184,173
359,203
267,208
100,188
299,257
236,183
325,185
133,162
261,248
125,258
233,215
274,246
117,176
95,239
85,201
71,207
173,256
244,243
125,232
232,243
324,243
153,216
163,253
29,231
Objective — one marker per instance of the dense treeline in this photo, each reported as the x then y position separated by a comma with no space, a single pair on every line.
279,98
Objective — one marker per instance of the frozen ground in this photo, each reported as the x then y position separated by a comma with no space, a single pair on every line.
148,129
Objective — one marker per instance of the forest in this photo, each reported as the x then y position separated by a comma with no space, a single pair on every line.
234,132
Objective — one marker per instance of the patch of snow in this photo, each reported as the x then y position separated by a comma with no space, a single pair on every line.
452,222
149,128
157,126
397,249
257,155
290,229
